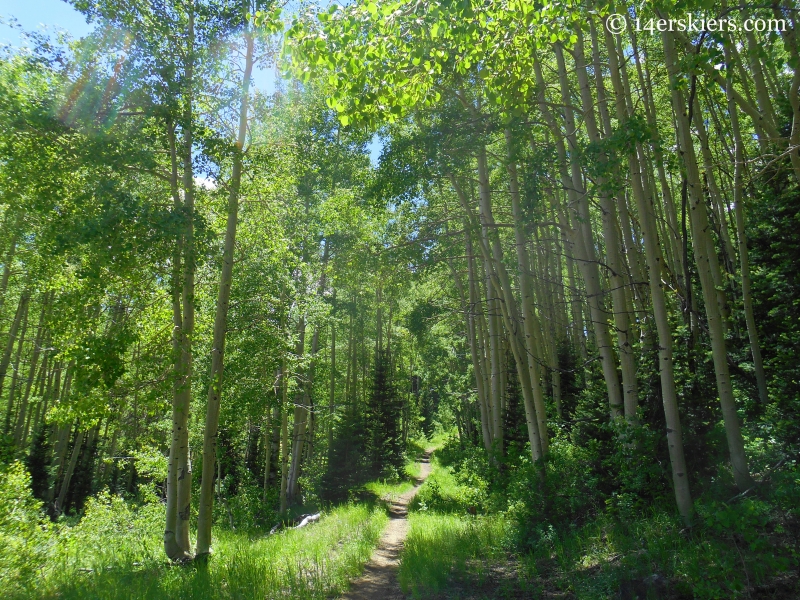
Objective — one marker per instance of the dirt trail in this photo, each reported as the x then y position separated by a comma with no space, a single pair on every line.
379,581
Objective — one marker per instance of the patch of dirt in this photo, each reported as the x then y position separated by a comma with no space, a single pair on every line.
379,581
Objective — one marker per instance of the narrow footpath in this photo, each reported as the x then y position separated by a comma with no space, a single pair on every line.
379,581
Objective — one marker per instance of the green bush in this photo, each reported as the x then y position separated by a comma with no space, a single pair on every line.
25,534
113,532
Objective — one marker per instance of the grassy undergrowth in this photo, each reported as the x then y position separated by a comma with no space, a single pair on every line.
313,562
115,551
656,557
389,490
446,542
440,546
745,548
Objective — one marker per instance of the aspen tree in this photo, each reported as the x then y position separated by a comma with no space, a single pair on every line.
206,501
498,277
581,236
530,323
706,262
630,388
744,260
669,396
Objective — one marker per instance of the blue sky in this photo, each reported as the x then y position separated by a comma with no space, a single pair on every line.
34,14
52,15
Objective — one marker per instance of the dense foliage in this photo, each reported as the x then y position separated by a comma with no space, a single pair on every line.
575,259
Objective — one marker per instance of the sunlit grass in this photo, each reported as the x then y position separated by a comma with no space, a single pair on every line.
439,546
388,491
313,562
444,540
441,492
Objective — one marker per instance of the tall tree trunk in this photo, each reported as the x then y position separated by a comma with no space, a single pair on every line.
206,502
177,544
267,453
15,374
284,439
300,421
530,321
669,396
741,234
9,257
581,237
707,261
73,461
22,310
630,386
499,279
469,307
332,391
32,369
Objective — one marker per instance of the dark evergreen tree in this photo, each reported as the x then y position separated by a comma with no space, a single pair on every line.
384,411
429,404
347,463
515,428
38,462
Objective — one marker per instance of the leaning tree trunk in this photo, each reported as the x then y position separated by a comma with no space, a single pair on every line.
9,258
13,389
630,392
744,260
22,309
581,237
654,257
707,261
73,461
530,322
206,502
498,278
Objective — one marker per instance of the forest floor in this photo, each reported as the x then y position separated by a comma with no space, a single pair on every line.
380,573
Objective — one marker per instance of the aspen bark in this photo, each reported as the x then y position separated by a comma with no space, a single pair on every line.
529,320
206,501
73,461
680,476
741,234
38,341
9,257
284,439
508,308
332,392
582,237
267,454
630,388
22,308
15,371
706,262
469,326
300,422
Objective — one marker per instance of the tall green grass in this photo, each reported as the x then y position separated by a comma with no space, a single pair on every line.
441,546
115,552
444,541
314,562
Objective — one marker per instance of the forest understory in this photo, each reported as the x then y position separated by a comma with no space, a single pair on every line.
265,267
